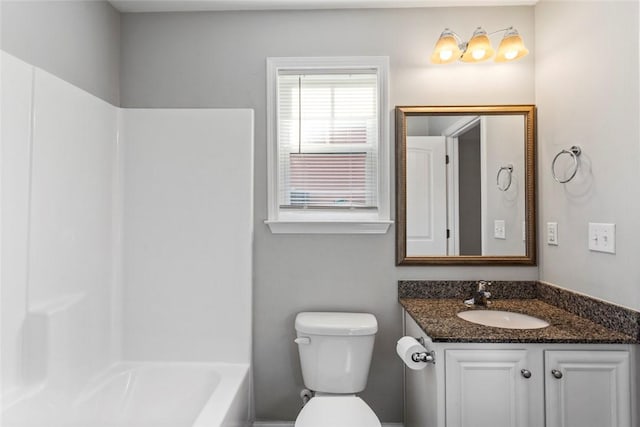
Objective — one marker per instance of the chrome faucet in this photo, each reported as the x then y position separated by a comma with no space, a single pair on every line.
481,296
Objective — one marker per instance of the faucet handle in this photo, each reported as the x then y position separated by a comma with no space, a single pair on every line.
482,284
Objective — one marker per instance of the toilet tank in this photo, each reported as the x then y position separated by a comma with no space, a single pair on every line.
335,350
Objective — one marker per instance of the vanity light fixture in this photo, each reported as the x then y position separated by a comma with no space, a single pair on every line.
450,47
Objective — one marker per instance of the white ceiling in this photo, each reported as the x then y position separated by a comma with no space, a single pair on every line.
202,5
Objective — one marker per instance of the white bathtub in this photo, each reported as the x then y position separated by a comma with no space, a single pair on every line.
143,395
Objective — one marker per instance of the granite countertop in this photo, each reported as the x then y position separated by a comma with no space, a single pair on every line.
436,315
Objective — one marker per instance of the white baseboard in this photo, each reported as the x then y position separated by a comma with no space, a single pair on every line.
291,423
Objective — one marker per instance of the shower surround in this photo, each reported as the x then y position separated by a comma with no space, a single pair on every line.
126,239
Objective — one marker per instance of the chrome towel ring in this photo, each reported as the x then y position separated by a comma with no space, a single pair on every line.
574,152
509,170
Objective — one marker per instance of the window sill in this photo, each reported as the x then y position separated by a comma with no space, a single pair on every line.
329,227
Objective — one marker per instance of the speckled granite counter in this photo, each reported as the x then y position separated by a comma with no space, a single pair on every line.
434,305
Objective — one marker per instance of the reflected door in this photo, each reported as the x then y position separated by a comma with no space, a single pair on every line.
426,196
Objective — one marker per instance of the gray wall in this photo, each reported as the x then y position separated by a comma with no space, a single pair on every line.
505,142
218,60
592,100
78,41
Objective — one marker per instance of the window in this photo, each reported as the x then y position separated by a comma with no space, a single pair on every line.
328,145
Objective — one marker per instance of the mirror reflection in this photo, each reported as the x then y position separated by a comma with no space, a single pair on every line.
464,177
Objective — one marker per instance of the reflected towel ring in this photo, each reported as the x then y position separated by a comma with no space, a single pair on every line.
574,152
509,170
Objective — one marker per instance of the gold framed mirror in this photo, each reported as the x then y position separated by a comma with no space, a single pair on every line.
465,185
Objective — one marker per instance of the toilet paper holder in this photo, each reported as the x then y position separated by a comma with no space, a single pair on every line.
424,356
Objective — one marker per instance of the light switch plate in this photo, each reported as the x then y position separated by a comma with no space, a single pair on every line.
602,237
552,233
499,231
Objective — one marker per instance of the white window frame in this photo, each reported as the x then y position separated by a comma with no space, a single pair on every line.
329,221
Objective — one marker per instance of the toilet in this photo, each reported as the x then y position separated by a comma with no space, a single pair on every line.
335,353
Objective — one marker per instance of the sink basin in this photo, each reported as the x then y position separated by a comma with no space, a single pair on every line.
503,319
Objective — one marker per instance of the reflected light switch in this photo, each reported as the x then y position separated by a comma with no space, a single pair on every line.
499,231
552,233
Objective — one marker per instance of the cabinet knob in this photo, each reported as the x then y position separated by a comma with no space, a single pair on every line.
556,374
526,373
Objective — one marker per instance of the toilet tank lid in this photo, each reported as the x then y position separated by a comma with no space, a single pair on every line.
335,323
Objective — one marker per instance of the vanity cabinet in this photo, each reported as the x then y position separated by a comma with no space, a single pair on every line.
520,385
484,387
587,388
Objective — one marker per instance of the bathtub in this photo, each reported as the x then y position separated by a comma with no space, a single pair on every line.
143,395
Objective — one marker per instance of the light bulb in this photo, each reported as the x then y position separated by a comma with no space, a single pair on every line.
511,54
478,54
445,55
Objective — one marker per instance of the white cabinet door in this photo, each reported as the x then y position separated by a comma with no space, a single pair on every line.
485,388
587,389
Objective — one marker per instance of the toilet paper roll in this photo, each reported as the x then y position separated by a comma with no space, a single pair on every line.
405,348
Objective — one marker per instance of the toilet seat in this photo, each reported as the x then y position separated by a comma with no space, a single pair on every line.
337,411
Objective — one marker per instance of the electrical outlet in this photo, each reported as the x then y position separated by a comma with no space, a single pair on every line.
552,233
602,237
499,231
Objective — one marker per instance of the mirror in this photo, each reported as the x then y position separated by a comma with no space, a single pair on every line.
465,185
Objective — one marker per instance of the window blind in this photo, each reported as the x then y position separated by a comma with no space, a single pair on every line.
328,140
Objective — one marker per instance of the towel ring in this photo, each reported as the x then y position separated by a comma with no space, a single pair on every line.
574,152
509,170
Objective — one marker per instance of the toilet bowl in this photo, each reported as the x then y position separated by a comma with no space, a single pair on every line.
335,354
337,411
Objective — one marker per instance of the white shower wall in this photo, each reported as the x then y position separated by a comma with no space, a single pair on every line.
118,220
188,210
17,78
57,166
